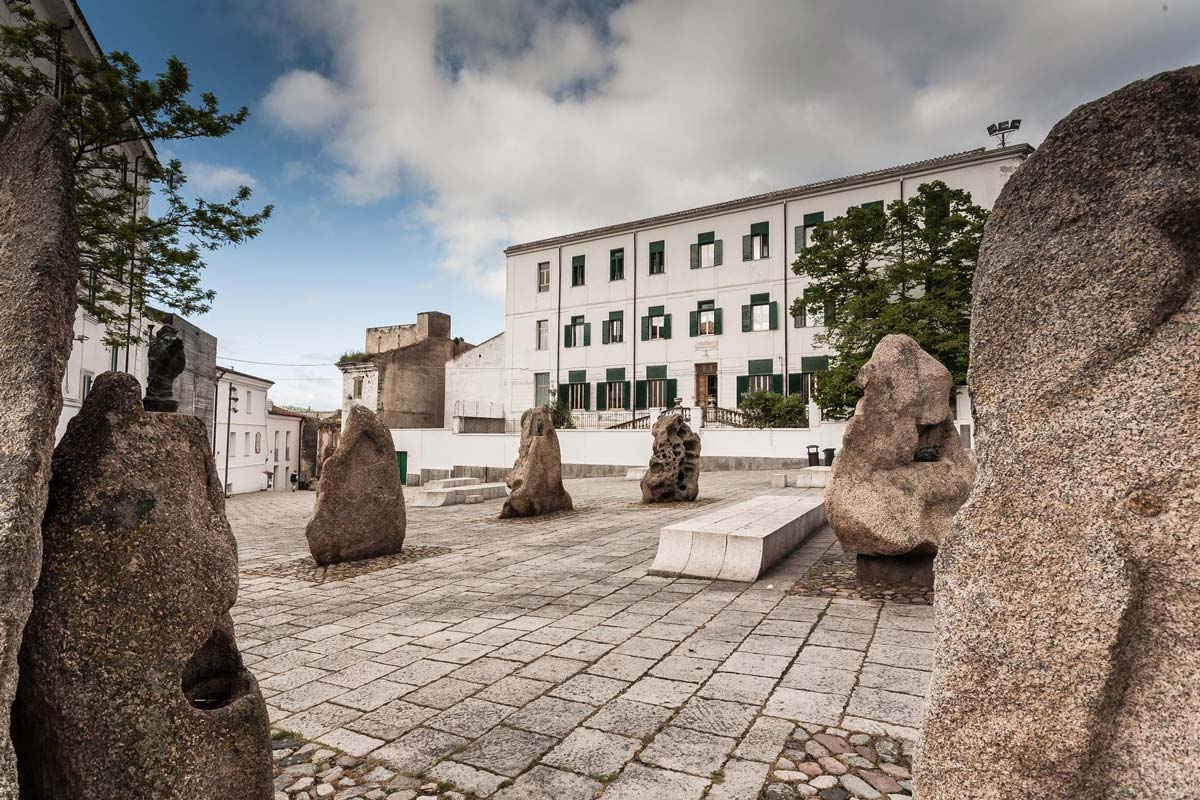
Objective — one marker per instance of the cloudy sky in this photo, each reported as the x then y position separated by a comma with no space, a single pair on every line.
406,143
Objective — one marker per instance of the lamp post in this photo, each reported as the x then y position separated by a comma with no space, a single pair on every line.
230,407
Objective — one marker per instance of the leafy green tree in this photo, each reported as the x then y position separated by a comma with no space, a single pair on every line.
128,255
904,270
770,410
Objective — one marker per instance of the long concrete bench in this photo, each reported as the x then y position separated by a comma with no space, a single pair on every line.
450,483
455,495
739,542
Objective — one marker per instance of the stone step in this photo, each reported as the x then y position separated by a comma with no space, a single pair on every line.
782,480
456,495
450,483
813,477
738,542
474,498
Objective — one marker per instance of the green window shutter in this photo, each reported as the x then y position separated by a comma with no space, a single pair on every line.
706,238
646,328
577,376
614,374
760,229
602,397
774,316
566,335
657,247
875,204
656,373
718,249
746,323
795,382
655,311
815,218
814,363
717,321
777,383
641,394
666,326
695,256
672,390
694,323
564,393
743,386
760,298
587,334
587,397
604,332
799,239
760,366
626,397
747,249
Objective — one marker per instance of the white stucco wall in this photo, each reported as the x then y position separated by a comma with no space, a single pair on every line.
247,465
475,385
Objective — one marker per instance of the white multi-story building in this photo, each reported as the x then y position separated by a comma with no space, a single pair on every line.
694,305
284,429
241,443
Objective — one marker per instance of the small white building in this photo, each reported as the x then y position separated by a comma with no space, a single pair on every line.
241,443
283,447
475,388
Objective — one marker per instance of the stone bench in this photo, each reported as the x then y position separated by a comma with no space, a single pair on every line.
738,542
455,495
450,483
635,473
813,478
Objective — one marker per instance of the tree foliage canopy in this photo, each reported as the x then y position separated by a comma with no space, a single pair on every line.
904,270
127,258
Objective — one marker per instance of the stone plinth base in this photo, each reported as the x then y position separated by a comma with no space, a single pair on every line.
913,569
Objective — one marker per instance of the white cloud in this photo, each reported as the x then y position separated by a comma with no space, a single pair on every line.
206,177
523,120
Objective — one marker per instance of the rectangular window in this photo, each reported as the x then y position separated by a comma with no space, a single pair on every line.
543,334
814,316
544,276
578,271
760,383
616,330
249,402
113,361
616,264
708,322
755,244
577,396
758,246
246,449
658,326
658,258
85,385
357,392
577,338
276,448
708,254
761,319
232,444
616,394
287,443
541,388
258,443
656,394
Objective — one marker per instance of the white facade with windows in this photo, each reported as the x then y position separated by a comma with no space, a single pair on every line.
283,449
695,305
240,435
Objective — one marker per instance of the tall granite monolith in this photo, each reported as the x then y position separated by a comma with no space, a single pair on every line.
1068,595
674,470
39,267
535,482
131,684
902,472
360,501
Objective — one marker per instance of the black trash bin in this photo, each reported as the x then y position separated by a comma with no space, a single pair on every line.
814,456
829,453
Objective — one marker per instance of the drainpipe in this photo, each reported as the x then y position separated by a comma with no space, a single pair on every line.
787,311
635,330
558,331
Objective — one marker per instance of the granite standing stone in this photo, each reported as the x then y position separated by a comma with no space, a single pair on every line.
902,472
360,500
39,267
131,681
1068,596
535,482
674,471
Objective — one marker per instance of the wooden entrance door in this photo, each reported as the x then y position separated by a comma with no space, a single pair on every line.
706,383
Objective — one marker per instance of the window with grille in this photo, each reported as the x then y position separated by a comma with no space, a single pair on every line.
656,394
543,277
577,396
760,383
616,394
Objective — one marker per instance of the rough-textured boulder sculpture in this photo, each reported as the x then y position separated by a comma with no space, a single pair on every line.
1068,595
39,264
674,471
535,482
902,472
131,682
360,500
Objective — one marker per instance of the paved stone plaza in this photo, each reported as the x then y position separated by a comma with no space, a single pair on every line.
536,659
